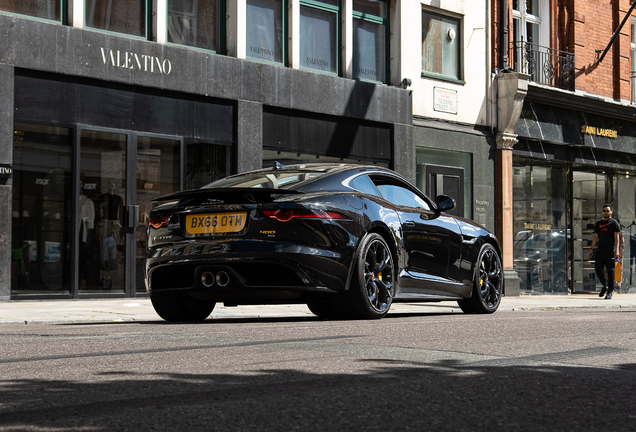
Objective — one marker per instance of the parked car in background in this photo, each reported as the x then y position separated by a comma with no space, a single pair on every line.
540,261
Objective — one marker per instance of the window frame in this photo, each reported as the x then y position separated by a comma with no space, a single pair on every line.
337,10
285,32
460,49
387,38
222,30
147,27
64,19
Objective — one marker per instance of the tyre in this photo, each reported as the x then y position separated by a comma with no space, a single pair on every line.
559,284
181,307
324,309
372,284
488,283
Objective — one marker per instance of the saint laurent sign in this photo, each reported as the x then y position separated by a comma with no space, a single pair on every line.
591,130
135,61
5,171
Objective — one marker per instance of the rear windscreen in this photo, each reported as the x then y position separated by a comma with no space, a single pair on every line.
270,180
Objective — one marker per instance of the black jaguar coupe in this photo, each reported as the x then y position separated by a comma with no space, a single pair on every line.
347,240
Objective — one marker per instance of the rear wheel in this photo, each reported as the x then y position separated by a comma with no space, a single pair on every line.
488,284
372,285
179,306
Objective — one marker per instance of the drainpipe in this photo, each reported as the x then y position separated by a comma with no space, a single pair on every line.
504,34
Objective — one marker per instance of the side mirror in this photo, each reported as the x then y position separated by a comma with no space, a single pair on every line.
444,203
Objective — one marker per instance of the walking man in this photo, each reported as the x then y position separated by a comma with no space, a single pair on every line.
606,232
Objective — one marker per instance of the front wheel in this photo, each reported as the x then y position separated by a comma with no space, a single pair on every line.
181,307
372,284
488,283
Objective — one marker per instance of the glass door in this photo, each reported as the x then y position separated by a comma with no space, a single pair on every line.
624,193
589,192
120,172
157,173
102,263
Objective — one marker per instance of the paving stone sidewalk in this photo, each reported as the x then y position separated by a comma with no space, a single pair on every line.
140,309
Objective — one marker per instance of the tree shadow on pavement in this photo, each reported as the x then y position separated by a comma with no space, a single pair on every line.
383,395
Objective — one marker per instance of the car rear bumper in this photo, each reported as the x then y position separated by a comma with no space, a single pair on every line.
249,269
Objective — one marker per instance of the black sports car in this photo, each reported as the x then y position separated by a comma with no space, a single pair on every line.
347,240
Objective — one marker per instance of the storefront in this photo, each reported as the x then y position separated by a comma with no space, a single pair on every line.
95,125
87,161
572,158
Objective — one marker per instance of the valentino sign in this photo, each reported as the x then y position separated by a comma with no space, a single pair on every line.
135,61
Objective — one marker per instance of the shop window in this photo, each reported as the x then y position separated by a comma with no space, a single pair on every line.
540,247
319,35
441,46
206,163
266,30
40,227
120,16
370,40
197,24
43,9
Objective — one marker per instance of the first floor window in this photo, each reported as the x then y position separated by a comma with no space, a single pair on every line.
43,9
370,24
121,16
195,23
319,27
441,41
265,30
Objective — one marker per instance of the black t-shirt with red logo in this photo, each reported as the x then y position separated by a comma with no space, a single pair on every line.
605,230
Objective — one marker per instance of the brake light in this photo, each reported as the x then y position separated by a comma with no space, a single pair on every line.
158,221
285,215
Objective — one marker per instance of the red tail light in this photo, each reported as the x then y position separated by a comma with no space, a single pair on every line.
157,221
285,215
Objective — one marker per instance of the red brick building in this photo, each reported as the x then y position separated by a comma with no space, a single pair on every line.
565,137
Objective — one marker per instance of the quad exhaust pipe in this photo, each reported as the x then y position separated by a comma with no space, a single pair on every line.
222,278
208,279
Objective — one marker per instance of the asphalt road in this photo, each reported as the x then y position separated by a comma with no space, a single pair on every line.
558,370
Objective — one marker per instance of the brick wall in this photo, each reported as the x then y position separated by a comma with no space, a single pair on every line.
584,26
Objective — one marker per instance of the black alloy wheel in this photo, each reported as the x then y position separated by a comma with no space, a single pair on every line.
488,285
181,307
372,286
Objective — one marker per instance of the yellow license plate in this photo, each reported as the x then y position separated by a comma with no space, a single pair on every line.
217,223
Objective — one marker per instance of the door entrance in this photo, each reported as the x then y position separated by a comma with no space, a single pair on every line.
119,174
447,181
590,190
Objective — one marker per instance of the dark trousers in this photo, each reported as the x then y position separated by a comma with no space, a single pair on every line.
605,260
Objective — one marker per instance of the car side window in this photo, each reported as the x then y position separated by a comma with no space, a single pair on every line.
364,184
394,192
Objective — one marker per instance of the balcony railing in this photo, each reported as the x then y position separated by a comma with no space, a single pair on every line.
544,65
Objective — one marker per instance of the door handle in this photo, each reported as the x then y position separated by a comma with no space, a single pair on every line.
409,224
133,216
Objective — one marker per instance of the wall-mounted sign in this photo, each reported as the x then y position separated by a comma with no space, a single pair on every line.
591,130
445,100
135,61
6,171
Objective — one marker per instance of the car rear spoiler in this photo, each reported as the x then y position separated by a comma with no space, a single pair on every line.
249,194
